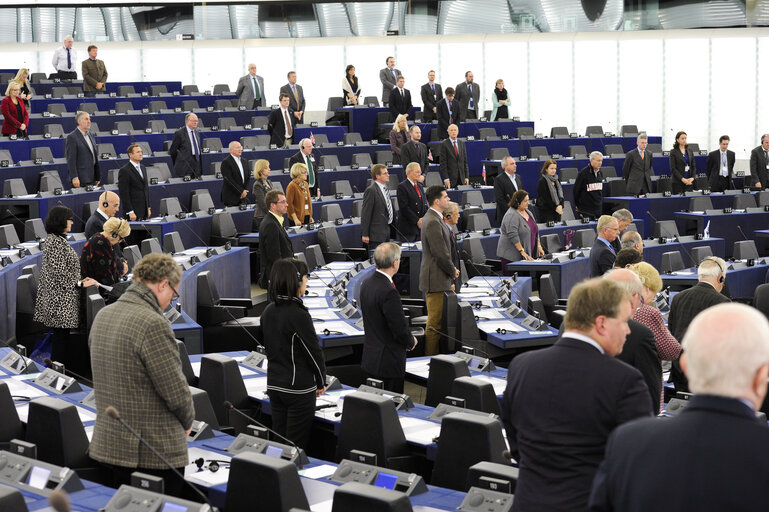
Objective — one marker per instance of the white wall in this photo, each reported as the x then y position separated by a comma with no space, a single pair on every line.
705,82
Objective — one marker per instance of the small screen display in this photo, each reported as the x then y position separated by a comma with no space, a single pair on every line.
386,480
274,451
173,507
38,477
475,362
59,383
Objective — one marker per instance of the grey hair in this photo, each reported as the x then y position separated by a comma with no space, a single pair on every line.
630,239
505,159
595,154
452,207
627,279
386,254
622,214
711,267
410,167
80,115
641,136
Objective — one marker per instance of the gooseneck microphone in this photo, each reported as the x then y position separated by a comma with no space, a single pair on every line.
59,501
484,353
49,364
113,413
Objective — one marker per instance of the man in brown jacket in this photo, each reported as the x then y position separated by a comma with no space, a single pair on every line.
94,73
136,370
437,272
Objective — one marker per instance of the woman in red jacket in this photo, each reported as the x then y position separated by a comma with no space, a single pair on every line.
15,116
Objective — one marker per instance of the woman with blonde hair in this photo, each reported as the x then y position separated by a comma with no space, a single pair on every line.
500,101
668,348
99,259
26,89
15,115
298,196
262,185
399,136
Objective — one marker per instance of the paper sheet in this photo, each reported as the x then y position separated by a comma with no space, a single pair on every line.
317,472
324,275
22,409
340,265
488,314
256,387
315,302
325,314
85,414
19,388
418,368
420,431
492,326
205,477
89,432
475,292
337,327
323,506
491,301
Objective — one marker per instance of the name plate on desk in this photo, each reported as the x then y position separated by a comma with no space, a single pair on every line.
351,471
573,135
516,119
6,163
57,383
482,364
247,443
523,158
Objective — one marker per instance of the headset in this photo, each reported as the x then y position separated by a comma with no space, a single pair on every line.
104,201
722,275
213,464
116,233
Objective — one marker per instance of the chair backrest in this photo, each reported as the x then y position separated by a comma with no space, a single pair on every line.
150,246
700,253
478,394
617,188
34,229
743,201
329,162
91,108
222,225
133,255
594,131
220,377
478,222
26,295
524,132
226,123
486,133
331,212
761,298
106,148
214,144
745,250
42,152
8,236
665,228
169,205
584,238
122,107
370,424
201,200
14,187
188,90
190,105
334,103
700,204
156,90
551,243
10,427
609,171
5,154
160,171
49,182
125,90
498,153
56,428
57,108
629,130
443,370
671,262
314,255
172,243
762,198
382,157
221,104
351,138
55,130
465,440
538,153
328,239
157,105
655,149
363,160
248,142
559,132
208,295
433,178
577,150
221,89
613,149
341,187
568,174
472,197
474,249
357,207
547,291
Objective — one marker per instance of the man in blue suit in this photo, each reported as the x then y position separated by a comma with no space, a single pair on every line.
561,403
387,336
412,203
602,254
711,457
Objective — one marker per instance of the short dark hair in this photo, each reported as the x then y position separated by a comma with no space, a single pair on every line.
388,58
286,277
282,95
131,148
56,220
434,192
628,256
377,169
723,138
92,47
517,199
467,73
449,91
288,75
272,196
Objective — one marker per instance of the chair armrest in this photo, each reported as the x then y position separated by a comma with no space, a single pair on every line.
495,265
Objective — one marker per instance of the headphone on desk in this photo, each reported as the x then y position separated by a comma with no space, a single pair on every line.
722,275
213,465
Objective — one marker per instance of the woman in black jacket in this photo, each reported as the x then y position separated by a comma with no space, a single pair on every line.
682,165
549,194
296,373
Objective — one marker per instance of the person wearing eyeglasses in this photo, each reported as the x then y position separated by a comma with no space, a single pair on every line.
603,254
99,258
137,370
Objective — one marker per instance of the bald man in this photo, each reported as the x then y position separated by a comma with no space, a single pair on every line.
109,204
236,175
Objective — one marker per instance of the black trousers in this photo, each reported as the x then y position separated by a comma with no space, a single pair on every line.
292,415
174,486
721,185
394,384
71,350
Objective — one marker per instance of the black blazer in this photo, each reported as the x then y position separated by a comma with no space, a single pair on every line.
601,258
274,244
447,117
373,216
429,100
638,172
233,183
411,208
94,224
711,457
758,170
640,352
134,190
713,168
400,104
415,152
454,165
545,204
277,126
81,162
387,331
185,164
677,166
503,192
559,407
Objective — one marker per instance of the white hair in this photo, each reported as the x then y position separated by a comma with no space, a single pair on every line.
641,136
69,38
622,214
595,154
711,268
627,279
725,346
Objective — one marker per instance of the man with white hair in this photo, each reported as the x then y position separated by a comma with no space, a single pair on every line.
588,188
235,176
602,254
306,156
632,240
689,303
624,218
64,60
250,90
711,457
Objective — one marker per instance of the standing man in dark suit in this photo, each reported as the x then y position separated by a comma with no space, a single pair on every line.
437,272
454,160
250,90
412,203
387,337
415,151
274,242
431,94
720,166
133,185
80,150
506,184
713,455
94,73
448,112
306,156
640,350
602,255
137,371
400,99
235,176
377,215
389,78
759,163
557,426
468,96
185,149
281,124
637,169
689,303
295,96
588,188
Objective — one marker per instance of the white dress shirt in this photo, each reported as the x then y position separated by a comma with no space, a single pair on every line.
60,59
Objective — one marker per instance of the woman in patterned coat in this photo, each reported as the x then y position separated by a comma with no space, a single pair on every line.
58,292
98,259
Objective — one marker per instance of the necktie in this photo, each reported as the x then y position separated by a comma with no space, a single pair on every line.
433,87
310,172
296,96
289,130
389,205
642,155
394,75
195,149
257,95
419,194
724,171
766,155
139,170
69,60
402,95
470,92
393,283
451,114
456,151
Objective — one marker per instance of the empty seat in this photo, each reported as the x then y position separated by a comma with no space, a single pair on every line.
150,246
341,187
221,379
559,132
59,92
331,212
363,160
222,104
50,181
700,204
157,90
524,132
122,107
498,153
594,131
55,427
91,108
156,125
156,106
472,197
214,144
577,151
666,229
226,123
314,256
357,207
170,206
41,152
106,149
221,89
551,243
223,229
37,77
745,250
584,238
57,108
125,90
160,171
613,150
700,253
568,173
188,90
743,201
433,178
487,134
8,236
54,130
201,201
609,171
444,369
172,243
190,105
478,222
329,162
628,130
248,142
351,138
671,262
371,100
478,394
617,188
654,149
123,127
382,157
113,175
538,153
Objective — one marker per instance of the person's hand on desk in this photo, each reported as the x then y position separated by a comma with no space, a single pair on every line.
540,251
88,282
319,392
